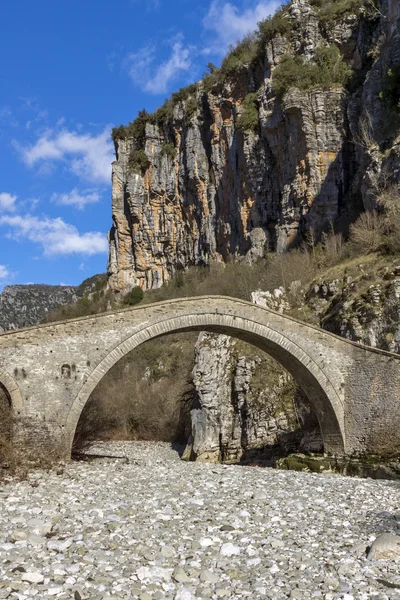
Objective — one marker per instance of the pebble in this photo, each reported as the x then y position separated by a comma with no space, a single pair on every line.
152,527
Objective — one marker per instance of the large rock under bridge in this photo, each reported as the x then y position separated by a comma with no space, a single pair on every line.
49,372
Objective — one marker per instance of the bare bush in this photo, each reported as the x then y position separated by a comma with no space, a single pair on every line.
147,395
286,268
367,233
365,137
334,249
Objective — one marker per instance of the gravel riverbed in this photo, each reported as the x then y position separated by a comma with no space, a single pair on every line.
152,527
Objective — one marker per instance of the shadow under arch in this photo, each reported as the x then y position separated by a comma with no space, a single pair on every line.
11,389
312,379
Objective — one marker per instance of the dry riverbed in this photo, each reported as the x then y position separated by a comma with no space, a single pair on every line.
153,527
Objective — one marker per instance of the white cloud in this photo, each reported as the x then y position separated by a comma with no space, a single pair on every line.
87,156
75,198
4,272
55,236
157,80
5,111
7,202
230,25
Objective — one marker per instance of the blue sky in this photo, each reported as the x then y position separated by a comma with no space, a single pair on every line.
71,70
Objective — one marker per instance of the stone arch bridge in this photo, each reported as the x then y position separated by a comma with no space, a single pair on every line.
50,371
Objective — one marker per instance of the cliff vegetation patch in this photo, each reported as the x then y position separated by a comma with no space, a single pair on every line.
168,150
334,11
139,161
328,69
248,120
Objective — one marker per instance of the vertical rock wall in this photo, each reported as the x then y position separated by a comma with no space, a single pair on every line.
245,402
315,157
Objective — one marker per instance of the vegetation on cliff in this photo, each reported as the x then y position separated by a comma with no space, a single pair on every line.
327,69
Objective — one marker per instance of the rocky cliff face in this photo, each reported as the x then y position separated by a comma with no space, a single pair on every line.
364,309
245,403
199,183
26,305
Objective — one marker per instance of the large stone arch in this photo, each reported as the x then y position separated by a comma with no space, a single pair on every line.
310,376
11,388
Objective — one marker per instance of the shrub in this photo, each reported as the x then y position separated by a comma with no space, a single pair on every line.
330,68
191,108
183,94
244,53
248,120
278,24
168,150
163,114
292,72
327,70
139,161
333,11
210,80
134,296
366,234
119,133
135,129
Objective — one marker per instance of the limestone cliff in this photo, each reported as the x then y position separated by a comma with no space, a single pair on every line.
245,403
26,305
254,155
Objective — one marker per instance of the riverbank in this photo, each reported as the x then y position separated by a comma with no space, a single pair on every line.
147,525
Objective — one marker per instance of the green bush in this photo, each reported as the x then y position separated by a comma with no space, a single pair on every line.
292,72
210,80
134,296
278,24
135,129
191,108
327,70
139,161
184,93
333,11
248,120
163,114
168,150
119,133
244,53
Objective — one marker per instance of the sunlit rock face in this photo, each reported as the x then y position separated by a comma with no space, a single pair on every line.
315,157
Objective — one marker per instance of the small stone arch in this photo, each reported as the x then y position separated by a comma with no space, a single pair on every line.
313,379
11,388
